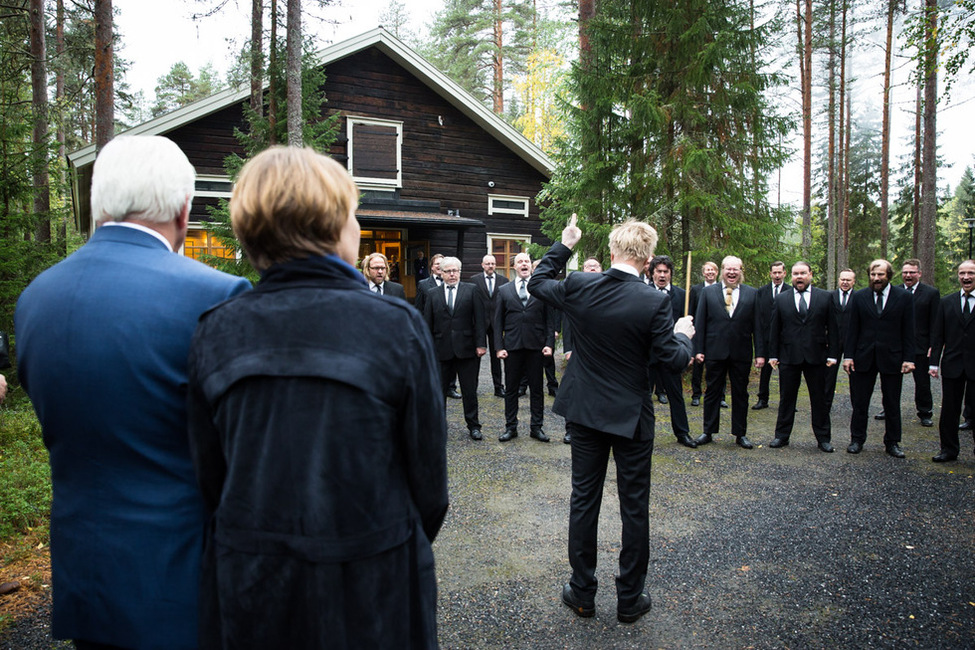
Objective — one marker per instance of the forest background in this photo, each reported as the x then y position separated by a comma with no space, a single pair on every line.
768,129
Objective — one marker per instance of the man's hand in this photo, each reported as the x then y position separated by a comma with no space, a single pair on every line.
907,367
699,358
546,351
830,363
502,354
571,234
481,352
568,355
933,372
848,365
685,326
774,363
759,362
3,387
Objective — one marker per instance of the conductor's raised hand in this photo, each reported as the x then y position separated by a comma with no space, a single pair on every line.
685,326
571,234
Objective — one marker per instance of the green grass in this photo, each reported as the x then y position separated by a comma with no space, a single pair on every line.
25,476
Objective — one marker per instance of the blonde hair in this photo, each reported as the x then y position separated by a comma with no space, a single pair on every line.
888,267
633,240
290,203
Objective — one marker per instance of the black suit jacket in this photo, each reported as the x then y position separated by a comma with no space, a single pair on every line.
926,299
394,289
480,282
422,287
765,304
720,336
793,340
618,324
842,316
456,335
881,342
953,340
676,299
522,327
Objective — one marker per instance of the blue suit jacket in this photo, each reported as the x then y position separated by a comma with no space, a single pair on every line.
104,339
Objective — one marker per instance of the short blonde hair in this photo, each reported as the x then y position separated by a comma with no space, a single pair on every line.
633,240
887,266
290,203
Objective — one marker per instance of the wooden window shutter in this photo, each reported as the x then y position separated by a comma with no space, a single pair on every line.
375,151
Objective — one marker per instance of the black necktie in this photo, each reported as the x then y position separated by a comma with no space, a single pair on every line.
450,298
490,284
843,301
967,311
803,310
880,303
523,292
378,289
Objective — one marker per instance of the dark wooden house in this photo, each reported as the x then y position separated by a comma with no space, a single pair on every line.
439,172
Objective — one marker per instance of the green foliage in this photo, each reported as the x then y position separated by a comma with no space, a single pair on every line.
25,477
179,87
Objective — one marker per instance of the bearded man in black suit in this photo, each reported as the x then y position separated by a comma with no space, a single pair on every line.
729,332
880,341
953,357
375,267
803,338
619,325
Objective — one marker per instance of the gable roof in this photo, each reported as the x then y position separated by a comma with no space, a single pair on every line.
391,47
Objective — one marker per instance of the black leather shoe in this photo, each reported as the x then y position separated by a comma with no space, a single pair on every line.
633,614
567,439
927,422
744,442
759,405
703,439
476,434
854,448
695,401
944,457
895,451
825,446
576,604
452,394
724,404
539,435
880,416
499,392
554,392
965,426
779,442
662,398
685,440
508,434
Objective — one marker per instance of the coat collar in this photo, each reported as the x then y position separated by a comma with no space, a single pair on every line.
330,269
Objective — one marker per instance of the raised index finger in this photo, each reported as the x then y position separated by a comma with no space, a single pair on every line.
572,220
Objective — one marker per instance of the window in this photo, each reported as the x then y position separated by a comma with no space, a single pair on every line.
199,242
498,204
504,248
213,186
375,152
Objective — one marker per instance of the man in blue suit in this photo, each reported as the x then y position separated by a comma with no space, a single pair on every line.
104,338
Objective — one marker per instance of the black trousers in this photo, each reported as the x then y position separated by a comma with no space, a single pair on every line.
790,376
737,373
764,376
466,370
861,386
523,364
495,361
923,401
590,456
697,375
670,383
953,394
831,375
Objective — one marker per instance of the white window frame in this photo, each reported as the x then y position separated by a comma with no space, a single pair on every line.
492,209
365,182
214,178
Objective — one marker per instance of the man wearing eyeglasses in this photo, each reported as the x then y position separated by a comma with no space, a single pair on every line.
375,267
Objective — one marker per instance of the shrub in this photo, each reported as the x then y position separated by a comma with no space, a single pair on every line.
25,476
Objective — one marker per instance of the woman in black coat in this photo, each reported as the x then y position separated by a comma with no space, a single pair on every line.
318,432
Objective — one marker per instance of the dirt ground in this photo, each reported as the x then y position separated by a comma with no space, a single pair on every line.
762,548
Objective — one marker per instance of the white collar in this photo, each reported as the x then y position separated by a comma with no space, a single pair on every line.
626,268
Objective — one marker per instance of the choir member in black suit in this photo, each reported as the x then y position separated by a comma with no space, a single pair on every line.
766,298
662,270
455,316
488,283
619,325
375,267
803,338
880,341
953,357
524,332
709,271
841,305
434,281
729,332
926,299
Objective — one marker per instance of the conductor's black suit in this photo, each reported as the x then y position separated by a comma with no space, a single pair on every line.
802,344
953,352
618,325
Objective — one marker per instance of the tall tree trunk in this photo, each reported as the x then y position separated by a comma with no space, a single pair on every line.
104,74
832,214
38,77
272,91
918,140
843,164
257,56
60,132
295,121
845,197
929,173
807,131
497,60
885,135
